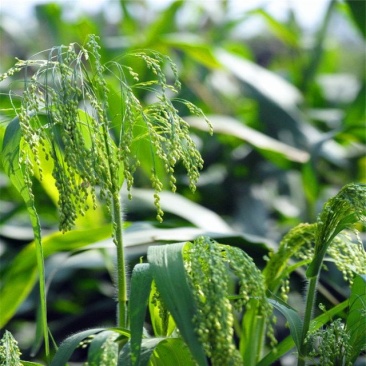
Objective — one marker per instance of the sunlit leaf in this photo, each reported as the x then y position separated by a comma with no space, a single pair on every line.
194,47
265,83
231,126
103,351
21,276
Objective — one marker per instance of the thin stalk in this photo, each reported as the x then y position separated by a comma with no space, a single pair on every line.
310,301
121,267
261,325
42,296
42,276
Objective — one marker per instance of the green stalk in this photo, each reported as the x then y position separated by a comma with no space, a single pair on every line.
121,268
42,296
310,301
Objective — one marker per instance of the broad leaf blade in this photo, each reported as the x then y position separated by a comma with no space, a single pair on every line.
147,348
98,347
293,319
140,289
288,343
170,277
172,351
21,276
161,320
10,160
358,11
69,345
356,320
159,352
231,126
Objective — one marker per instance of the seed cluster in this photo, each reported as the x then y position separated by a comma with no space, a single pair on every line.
65,113
341,212
331,345
210,267
251,285
298,243
214,320
348,254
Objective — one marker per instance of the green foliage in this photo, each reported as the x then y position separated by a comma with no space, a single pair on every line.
340,343
288,111
355,323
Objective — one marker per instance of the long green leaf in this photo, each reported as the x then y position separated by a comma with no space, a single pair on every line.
293,319
288,343
170,278
231,126
69,345
21,276
140,289
147,348
98,347
356,319
162,321
10,160
194,47
172,351
358,11
263,83
159,352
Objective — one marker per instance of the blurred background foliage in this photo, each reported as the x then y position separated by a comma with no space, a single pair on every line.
287,103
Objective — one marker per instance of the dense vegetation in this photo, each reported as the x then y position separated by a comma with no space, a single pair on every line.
134,108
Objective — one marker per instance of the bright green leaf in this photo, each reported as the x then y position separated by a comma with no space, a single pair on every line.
21,276
265,144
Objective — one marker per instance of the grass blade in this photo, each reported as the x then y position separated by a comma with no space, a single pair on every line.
140,290
293,319
356,320
170,277
10,159
21,276
69,345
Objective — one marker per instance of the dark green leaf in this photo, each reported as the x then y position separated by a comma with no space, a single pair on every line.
170,278
97,347
69,345
293,319
358,11
140,290
356,319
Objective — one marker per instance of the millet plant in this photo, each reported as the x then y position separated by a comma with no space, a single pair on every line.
208,303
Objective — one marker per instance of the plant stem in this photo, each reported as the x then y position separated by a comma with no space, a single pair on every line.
310,300
121,268
42,276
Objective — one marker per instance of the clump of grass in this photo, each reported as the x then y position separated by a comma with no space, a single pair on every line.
65,117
